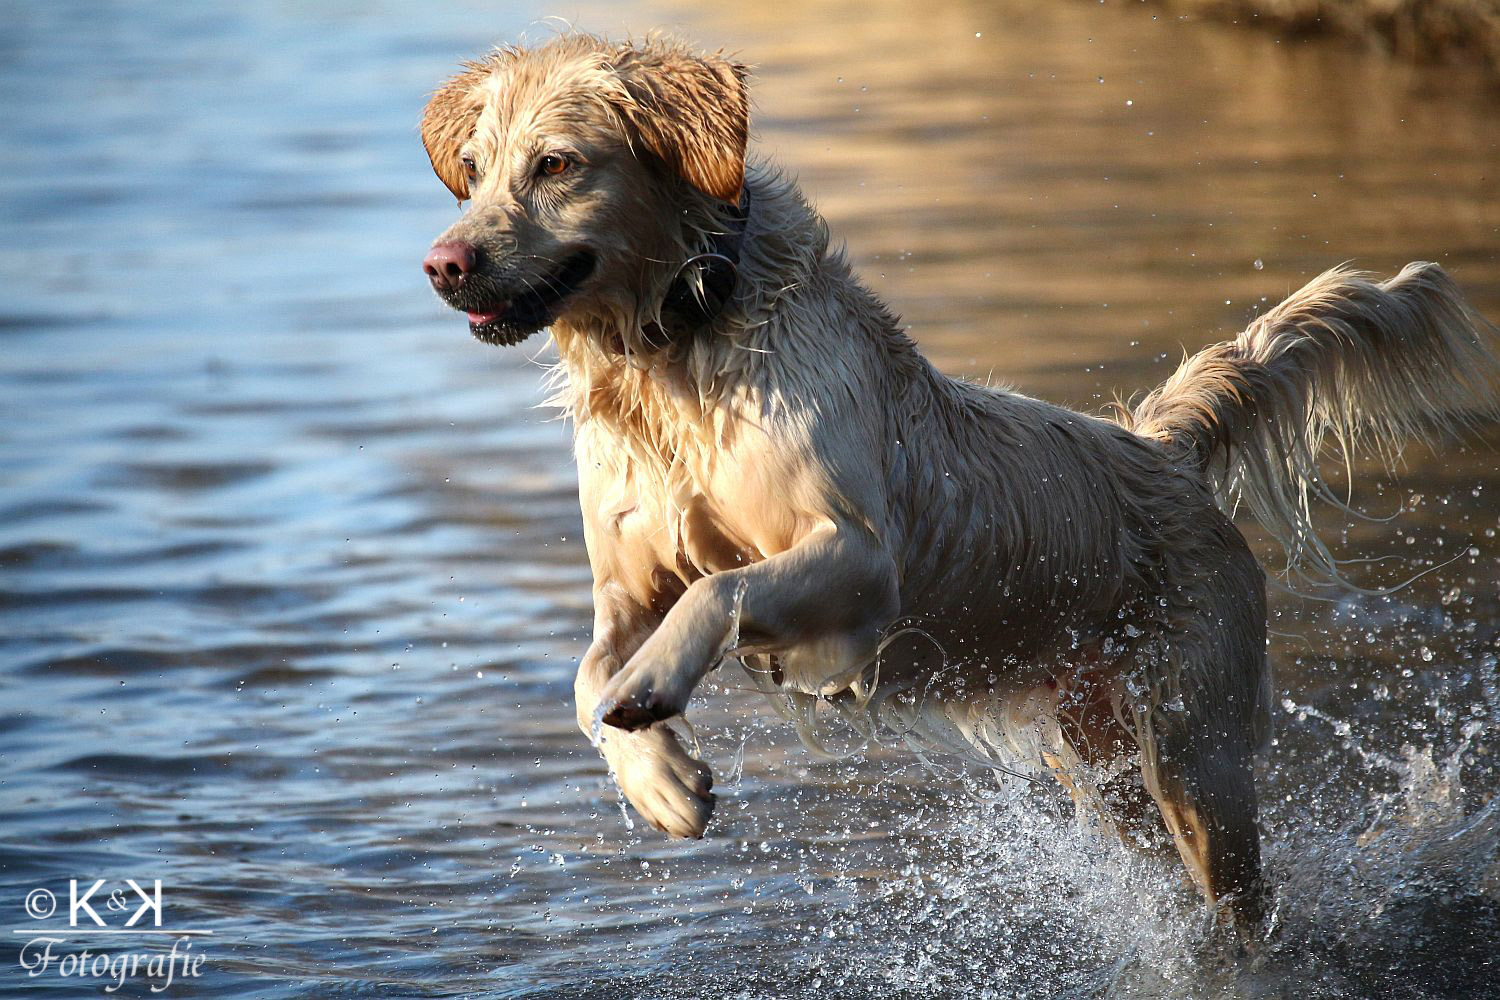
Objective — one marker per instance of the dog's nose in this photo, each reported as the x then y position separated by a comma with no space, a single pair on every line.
448,264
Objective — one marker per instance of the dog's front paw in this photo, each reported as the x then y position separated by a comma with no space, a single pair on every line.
635,699
671,790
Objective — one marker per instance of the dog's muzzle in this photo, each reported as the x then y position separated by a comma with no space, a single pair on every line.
496,315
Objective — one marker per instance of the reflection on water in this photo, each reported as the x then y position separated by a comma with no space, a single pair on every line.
292,579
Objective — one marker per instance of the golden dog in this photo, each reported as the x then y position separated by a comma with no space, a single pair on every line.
769,470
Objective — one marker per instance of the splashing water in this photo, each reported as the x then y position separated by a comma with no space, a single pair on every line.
597,737
1381,839
596,728
736,611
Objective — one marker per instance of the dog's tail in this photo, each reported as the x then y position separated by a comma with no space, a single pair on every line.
1344,361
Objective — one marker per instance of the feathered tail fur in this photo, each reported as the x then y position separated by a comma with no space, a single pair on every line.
1345,361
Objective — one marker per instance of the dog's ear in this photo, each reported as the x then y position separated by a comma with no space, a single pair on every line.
448,123
692,112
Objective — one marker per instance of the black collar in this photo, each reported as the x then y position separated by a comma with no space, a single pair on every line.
685,310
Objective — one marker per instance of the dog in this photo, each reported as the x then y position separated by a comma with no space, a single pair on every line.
770,471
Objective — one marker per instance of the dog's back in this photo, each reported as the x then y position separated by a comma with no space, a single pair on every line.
1343,360
1068,514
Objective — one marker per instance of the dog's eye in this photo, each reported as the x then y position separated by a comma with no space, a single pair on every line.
552,164
470,167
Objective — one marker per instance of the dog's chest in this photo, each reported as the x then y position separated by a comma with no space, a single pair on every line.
661,519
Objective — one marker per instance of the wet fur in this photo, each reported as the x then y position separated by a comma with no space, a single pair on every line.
798,488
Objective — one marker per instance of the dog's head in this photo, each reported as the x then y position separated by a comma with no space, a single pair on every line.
579,159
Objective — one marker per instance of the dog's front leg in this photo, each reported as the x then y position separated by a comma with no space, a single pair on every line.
668,788
835,590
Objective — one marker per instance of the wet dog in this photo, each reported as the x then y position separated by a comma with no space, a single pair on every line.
770,472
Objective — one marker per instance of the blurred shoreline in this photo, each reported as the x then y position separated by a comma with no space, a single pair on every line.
1440,31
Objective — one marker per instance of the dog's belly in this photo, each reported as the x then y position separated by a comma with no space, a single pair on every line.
979,677
947,659
1004,715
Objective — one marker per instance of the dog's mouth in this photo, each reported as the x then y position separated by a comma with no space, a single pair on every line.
510,321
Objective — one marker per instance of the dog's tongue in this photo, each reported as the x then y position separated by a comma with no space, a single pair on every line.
480,318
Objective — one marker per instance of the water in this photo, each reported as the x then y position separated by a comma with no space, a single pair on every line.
293,582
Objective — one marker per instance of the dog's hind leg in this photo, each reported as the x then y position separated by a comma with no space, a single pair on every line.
1207,800
1197,764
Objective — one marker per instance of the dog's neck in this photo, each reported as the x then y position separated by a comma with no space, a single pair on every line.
626,368
705,283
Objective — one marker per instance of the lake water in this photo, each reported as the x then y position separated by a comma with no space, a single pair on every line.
291,577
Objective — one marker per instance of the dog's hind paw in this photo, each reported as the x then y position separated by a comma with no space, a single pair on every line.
669,789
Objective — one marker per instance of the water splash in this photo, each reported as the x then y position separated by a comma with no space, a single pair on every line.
736,611
598,738
1381,838
596,727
